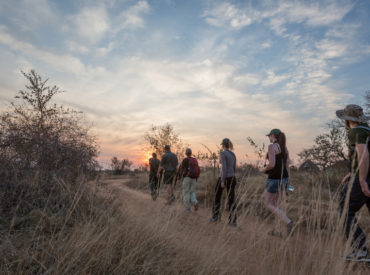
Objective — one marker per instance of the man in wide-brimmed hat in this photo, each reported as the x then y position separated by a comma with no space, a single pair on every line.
356,191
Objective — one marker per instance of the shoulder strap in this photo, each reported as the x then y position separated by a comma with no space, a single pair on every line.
278,146
363,127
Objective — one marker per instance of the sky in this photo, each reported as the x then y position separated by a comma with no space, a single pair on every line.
213,69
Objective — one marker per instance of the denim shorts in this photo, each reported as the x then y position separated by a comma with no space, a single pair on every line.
276,185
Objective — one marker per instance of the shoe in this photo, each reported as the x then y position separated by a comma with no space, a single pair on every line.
232,224
358,255
275,233
213,219
290,227
187,210
196,207
170,200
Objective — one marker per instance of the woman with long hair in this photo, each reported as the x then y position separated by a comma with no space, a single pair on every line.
227,179
278,177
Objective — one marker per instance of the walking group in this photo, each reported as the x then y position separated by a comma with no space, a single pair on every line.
355,192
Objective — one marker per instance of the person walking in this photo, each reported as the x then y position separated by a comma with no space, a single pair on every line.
355,193
154,163
189,170
227,179
278,178
168,164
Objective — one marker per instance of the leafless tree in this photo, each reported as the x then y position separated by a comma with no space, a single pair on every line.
37,135
329,148
159,136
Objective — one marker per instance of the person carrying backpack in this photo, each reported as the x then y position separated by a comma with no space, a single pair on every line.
356,192
278,177
189,170
153,170
169,164
228,180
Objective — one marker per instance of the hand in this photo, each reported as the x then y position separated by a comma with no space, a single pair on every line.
346,178
222,185
365,188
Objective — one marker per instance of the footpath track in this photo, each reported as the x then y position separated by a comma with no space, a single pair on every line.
193,238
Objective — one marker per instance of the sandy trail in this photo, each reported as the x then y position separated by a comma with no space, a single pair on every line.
199,241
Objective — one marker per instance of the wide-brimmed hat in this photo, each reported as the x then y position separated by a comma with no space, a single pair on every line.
352,112
274,132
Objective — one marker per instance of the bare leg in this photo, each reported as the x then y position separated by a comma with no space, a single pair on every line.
271,202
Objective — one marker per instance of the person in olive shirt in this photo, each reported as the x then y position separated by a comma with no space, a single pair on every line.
356,191
169,164
188,183
153,179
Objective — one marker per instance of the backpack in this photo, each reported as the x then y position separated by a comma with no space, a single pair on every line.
368,138
193,169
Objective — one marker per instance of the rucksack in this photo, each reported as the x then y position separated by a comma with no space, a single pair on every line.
368,137
193,169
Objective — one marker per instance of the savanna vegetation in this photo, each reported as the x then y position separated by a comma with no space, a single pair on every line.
59,215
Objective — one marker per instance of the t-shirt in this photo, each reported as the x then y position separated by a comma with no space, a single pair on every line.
228,164
154,165
356,136
169,162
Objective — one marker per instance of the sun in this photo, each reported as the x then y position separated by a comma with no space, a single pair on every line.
145,157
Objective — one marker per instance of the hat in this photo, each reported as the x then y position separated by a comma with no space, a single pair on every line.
225,141
352,112
274,132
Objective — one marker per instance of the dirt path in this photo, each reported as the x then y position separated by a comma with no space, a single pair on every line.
200,241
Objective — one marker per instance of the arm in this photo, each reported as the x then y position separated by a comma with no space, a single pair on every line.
271,153
223,167
160,169
363,165
287,161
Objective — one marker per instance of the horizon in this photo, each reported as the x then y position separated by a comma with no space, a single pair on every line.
212,69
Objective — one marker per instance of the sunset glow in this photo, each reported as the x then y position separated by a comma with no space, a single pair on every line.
212,69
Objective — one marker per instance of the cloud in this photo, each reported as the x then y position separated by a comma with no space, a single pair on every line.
227,14
277,13
65,63
90,24
273,79
133,17
29,14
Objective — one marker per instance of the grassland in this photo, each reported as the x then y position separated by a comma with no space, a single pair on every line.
112,226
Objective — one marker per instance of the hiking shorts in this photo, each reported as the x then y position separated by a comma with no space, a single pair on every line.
168,177
276,185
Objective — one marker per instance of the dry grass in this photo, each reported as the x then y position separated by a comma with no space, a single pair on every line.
107,229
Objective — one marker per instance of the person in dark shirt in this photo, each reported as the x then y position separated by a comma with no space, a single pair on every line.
227,179
153,179
188,183
278,177
168,164
356,191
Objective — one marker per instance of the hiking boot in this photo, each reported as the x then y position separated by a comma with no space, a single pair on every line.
232,224
196,206
187,210
170,200
358,255
275,233
289,228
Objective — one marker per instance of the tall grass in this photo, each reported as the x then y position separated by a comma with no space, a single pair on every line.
102,229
